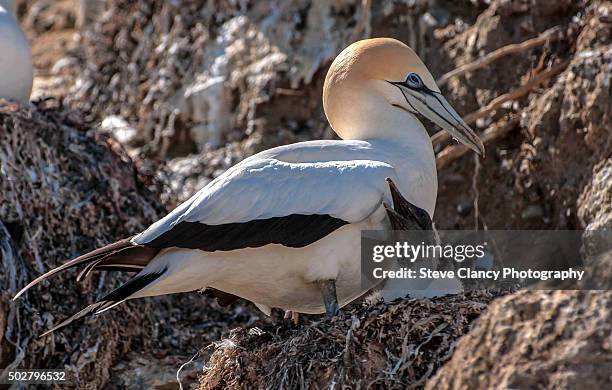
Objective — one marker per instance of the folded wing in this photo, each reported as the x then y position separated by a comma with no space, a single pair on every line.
258,202
268,201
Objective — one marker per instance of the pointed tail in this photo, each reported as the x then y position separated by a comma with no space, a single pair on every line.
122,255
112,299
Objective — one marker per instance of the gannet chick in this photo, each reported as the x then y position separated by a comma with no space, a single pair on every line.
16,69
282,228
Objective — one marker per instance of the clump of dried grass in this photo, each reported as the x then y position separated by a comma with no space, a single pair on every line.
398,345
64,190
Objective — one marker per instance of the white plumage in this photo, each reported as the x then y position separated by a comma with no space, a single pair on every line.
344,179
282,228
16,71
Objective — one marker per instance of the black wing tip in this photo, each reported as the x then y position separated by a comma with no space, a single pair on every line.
91,260
111,299
88,311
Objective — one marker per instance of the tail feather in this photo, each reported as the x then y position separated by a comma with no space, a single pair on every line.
87,270
89,310
122,254
111,299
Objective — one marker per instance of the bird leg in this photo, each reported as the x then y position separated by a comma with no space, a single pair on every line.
294,316
328,289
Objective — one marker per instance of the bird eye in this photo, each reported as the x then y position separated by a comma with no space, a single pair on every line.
414,80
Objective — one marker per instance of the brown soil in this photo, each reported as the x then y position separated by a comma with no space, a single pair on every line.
53,34
537,339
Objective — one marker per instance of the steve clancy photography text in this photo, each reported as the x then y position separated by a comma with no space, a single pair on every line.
414,261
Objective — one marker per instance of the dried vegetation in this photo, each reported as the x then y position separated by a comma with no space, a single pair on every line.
65,190
395,346
533,76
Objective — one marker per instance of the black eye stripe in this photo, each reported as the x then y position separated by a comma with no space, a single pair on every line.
408,83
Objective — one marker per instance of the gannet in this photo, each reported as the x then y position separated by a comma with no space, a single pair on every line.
16,71
282,227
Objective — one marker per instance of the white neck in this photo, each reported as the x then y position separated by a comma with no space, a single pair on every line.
365,115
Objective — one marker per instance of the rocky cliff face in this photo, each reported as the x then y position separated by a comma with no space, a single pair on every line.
262,66
537,339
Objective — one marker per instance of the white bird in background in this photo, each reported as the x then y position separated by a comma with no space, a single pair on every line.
282,228
16,71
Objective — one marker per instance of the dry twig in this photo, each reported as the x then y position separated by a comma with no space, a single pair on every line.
546,36
521,91
453,152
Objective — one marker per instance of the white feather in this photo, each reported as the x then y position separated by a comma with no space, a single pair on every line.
16,71
344,179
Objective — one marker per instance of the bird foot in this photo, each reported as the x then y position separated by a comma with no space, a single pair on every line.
328,290
294,316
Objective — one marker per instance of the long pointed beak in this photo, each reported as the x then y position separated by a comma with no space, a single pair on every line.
436,108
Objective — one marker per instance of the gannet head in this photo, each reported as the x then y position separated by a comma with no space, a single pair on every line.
371,79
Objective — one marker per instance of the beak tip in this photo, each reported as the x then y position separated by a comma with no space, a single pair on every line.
482,153
479,148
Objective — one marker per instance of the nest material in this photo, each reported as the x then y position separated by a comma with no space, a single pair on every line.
398,345
66,189
63,191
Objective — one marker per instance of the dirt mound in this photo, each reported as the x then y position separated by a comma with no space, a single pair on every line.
537,339
382,345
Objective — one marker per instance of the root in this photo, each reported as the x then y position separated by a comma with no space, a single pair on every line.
547,36
442,136
453,152
475,190
363,27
